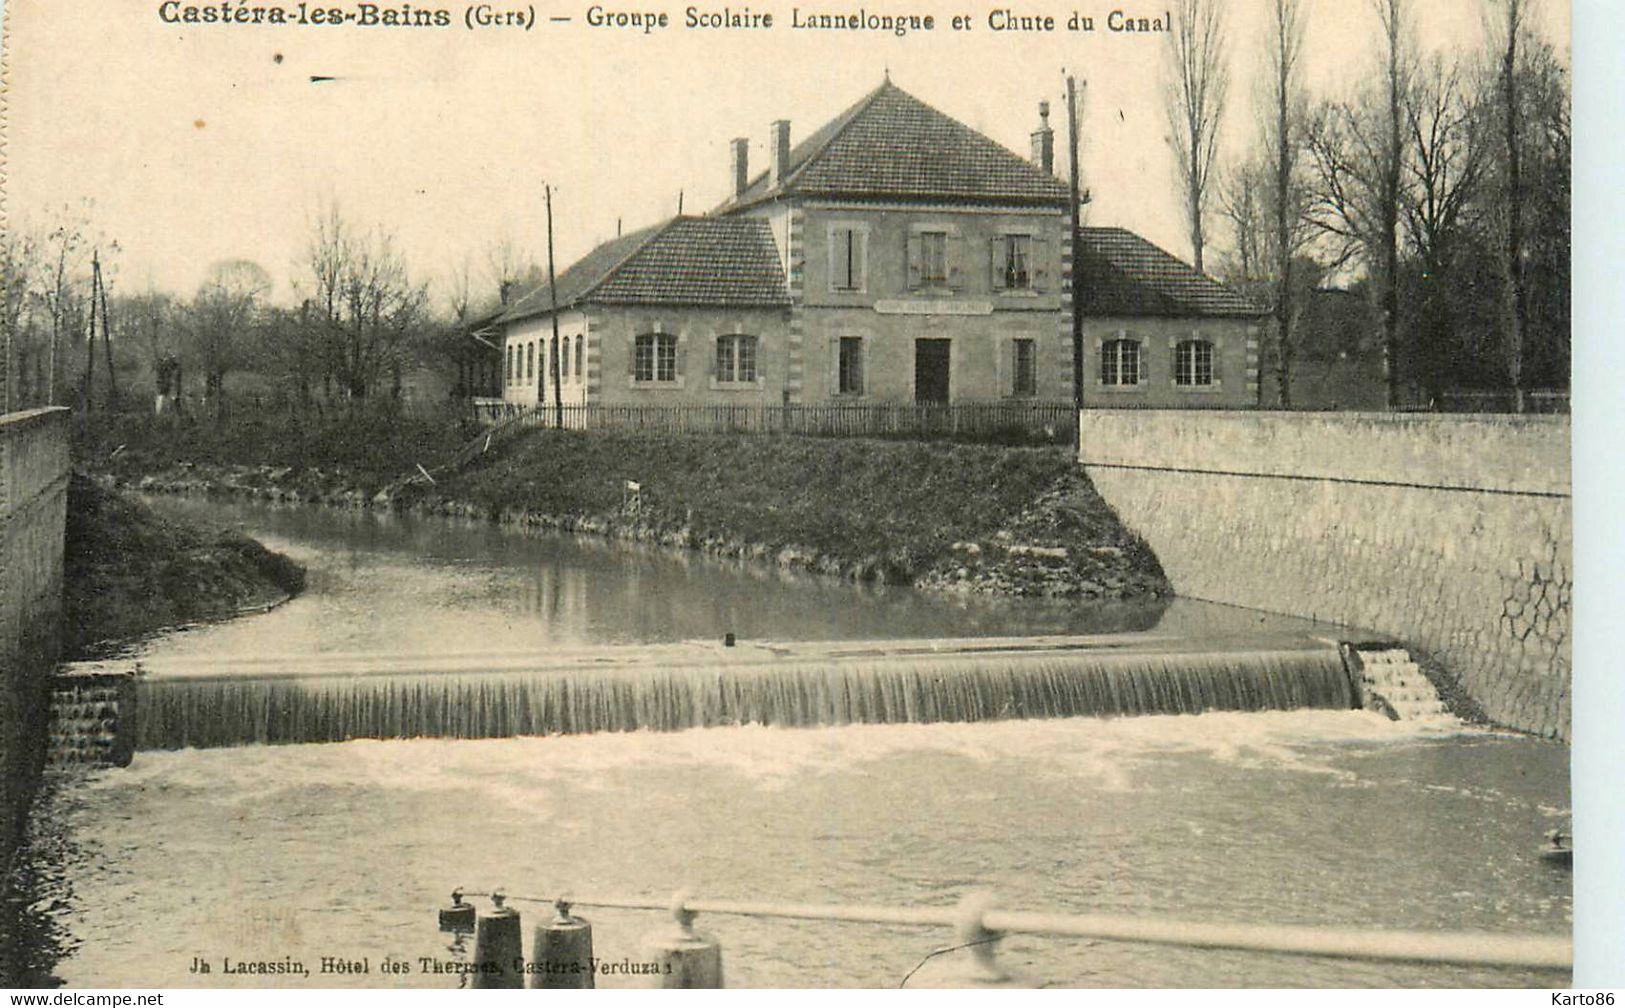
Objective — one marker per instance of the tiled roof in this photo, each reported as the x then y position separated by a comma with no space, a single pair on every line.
1123,274
727,261
891,145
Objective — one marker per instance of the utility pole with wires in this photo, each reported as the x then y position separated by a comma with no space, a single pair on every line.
98,309
553,294
99,295
1075,200
89,391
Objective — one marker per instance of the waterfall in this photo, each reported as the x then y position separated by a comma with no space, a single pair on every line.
1389,681
790,685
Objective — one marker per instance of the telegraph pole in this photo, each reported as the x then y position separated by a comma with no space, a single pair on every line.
107,337
90,336
1077,257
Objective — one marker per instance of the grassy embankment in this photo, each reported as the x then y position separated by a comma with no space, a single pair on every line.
128,572
971,517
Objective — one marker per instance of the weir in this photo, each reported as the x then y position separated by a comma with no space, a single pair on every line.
206,702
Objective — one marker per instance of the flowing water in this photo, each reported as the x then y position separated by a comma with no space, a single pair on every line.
295,852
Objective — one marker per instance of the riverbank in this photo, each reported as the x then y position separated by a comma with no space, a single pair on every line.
973,518
129,573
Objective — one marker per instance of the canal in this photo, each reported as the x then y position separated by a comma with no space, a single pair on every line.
296,852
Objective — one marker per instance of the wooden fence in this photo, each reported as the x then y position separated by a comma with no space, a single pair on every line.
1015,422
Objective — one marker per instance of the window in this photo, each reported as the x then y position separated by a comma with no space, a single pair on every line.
846,258
530,359
736,358
1025,360
1015,264
580,340
507,365
1193,362
1120,362
849,366
654,357
933,258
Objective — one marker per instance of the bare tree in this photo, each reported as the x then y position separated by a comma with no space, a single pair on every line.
1516,313
459,290
1283,197
221,318
1241,208
19,266
1342,202
64,294
153,325
1392,15
1445,164
1445,161
364,306
509,267
1197,85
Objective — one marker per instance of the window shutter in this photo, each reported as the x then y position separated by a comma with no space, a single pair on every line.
955,254
995,267
711,358
914,261
1040,265
837,243
681,365
632,357
860,257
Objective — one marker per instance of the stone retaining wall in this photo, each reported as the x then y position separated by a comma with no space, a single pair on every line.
33,515
1452,533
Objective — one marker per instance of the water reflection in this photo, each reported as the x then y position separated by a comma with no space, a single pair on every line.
381,581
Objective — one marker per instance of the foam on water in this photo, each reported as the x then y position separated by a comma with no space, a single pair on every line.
1100,749
1220,815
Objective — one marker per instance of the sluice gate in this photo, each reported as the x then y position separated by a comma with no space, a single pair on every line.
211,702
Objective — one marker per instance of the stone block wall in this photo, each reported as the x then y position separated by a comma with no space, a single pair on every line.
1451,533
33,514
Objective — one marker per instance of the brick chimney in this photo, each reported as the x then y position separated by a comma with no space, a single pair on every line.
1043,140
779,151
741,164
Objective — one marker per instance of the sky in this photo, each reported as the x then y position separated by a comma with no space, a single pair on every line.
201,143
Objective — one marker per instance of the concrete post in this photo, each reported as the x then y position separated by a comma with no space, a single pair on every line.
687,959
498,949
561,952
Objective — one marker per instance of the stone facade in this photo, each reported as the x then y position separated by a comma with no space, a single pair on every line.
913,260
1451,533
888,313
1235,362
527,347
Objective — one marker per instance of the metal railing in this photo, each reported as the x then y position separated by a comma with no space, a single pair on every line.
979,923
